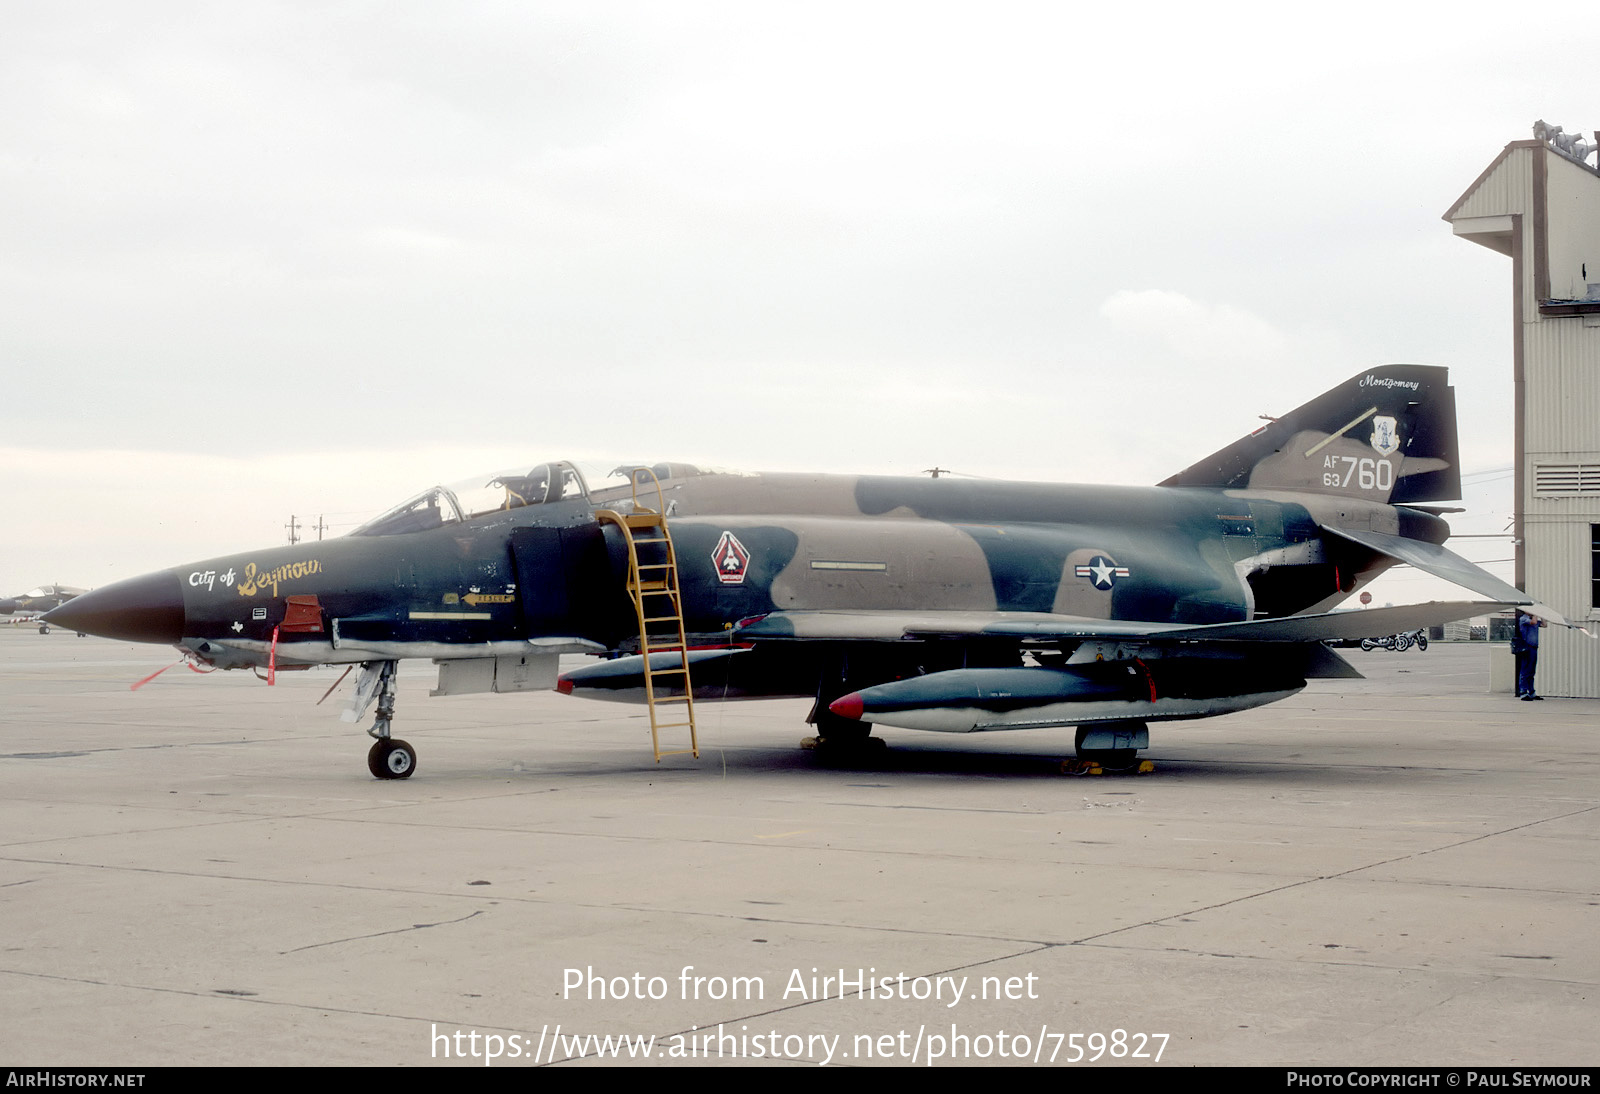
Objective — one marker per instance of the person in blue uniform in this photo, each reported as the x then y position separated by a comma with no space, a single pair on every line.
1525,645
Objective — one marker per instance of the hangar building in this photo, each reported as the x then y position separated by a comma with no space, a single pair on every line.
1539,203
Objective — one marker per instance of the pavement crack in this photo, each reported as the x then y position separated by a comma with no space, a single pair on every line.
380,934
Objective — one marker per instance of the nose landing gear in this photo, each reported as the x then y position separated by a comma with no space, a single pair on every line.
388,758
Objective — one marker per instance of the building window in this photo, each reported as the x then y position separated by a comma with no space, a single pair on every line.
1594,566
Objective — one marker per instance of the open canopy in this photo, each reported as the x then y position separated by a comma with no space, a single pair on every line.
537,484
479,496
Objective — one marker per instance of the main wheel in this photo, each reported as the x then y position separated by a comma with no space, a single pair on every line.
843,740
391,759
1112,759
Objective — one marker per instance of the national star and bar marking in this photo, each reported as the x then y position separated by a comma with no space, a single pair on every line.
1102,572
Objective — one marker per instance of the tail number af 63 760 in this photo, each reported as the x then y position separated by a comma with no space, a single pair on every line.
1366,472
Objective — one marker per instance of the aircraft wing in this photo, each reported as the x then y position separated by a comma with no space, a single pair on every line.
889,626
869,625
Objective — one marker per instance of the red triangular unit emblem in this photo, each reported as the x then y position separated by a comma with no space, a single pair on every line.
731,559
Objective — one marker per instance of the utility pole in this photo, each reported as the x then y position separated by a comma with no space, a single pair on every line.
294,530
320,527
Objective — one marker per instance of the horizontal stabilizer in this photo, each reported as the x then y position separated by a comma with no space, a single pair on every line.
1443,563
1365,623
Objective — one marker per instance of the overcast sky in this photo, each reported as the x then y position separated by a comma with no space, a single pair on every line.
305,258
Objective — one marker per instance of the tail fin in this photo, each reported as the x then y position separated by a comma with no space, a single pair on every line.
1386,435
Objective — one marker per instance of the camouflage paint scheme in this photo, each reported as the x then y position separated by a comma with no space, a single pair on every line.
939,603
41,599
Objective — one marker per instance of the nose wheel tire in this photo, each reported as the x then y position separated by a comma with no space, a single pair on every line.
391,759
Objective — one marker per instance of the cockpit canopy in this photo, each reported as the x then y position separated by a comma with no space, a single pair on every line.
476,497
540,484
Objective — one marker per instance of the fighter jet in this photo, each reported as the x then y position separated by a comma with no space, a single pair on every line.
28,607
943,604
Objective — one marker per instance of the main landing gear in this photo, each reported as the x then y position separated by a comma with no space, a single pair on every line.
388,758
1110,748
839,740
843,743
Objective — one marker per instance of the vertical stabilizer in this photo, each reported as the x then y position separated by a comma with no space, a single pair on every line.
1386,435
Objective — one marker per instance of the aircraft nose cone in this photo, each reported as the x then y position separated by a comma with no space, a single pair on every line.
140,609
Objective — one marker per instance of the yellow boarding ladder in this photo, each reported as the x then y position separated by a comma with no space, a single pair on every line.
654,582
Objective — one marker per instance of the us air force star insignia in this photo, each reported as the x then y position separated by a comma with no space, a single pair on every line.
1102,572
